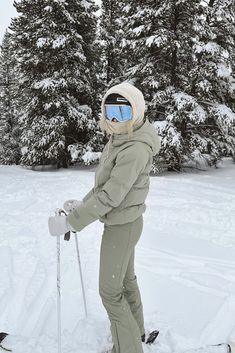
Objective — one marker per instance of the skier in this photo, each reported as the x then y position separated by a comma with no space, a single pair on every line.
117,200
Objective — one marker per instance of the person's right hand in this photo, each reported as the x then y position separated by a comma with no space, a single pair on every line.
70,205
59,225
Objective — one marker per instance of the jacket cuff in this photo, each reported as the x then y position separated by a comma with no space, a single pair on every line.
74,222
69,225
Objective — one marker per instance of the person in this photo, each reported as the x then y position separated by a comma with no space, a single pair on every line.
118,200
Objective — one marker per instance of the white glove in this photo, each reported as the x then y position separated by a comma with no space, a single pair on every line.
59,225
70,205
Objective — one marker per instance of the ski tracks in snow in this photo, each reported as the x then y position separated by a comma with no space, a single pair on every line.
185,263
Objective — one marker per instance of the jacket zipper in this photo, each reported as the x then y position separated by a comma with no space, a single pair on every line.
108,151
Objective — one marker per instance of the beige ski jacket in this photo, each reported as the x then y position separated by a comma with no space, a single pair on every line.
121,179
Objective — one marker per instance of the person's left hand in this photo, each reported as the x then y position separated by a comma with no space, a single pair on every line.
59,225
70,205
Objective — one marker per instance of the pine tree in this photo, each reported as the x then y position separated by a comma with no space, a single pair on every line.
110,36
9,126
213,78
53,41
111,59
162,38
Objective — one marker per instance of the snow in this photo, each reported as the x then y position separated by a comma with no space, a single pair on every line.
59,41
154,83
160,125
210,47
182,99
47,106
205,85
155,39
175,136
90,156
139,29
198,114
224,113
41,42
126,8
48,8
49,83
225,54
45,83
224,70
185,262
86,4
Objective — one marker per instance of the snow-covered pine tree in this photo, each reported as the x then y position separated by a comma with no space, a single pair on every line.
213,78
90,151
110,35
162,37
158,44
97,139
9,126
53,45
111,61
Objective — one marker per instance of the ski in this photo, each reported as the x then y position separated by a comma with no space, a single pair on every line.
5,349
2,336
212,348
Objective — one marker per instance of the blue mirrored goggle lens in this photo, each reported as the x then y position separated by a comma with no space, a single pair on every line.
119,112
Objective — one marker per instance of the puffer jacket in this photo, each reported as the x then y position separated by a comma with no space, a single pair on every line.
121,179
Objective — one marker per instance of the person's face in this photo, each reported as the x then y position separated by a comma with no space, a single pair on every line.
115,120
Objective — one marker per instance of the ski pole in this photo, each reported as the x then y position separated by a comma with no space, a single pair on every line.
67,237
80,270
58,296
58,212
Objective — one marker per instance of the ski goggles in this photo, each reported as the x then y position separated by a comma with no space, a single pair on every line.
121,112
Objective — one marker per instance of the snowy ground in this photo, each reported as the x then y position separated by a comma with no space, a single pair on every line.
185,262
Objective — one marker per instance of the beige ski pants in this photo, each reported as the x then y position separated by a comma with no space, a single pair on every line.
118,286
